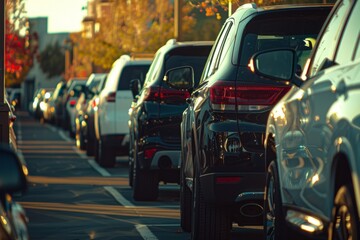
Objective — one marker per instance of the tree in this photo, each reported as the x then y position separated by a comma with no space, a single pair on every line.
18,50
52,60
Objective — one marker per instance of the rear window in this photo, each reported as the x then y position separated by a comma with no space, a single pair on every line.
292,29
190,56
132,72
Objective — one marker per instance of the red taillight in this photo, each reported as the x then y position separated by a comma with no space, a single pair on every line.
149,153
111,97
163,94
72,103
227,180
225,96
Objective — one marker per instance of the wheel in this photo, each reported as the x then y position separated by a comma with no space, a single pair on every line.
274,221
82,144
145,182
185,205
96,150
344,224
106,156
90,146
209,221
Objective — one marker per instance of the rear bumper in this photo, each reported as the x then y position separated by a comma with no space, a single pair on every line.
220,189
118,142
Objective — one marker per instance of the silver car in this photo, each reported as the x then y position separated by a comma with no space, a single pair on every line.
313,134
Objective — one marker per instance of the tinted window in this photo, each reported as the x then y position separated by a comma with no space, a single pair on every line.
191,56
327,44
132,72
214,58
291,29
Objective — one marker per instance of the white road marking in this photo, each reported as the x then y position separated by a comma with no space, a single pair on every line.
119,197
63,136
145,232
99,169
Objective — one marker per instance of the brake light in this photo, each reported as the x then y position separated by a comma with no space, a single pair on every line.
111,97
225,180
72,103
161,94
149,153
225,96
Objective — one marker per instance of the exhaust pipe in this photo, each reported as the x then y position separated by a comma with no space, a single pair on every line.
251,210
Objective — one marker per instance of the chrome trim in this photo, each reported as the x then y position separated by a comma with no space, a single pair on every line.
245,196
304,222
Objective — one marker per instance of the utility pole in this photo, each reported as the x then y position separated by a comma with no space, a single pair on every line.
4,110
178,20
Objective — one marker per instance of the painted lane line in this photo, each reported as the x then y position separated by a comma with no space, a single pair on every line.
145,232
99,169
63,136
119,197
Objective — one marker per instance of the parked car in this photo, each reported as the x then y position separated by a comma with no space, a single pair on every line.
13,224
312,135
55,109
89,127
45,107
222,162
155,117
38,98
81,107
74,87
111,117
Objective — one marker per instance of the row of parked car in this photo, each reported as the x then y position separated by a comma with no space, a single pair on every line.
259,127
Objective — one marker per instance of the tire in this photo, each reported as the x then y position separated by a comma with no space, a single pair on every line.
96,151
106,156
274,221
209,221
90,146
145,182
82,141
185,205
131,171
344,223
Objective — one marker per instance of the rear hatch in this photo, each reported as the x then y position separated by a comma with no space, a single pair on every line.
123,96
172,102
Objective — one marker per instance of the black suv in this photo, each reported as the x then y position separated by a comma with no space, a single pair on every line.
223,129
155,117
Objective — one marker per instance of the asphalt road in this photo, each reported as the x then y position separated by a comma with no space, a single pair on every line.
71,197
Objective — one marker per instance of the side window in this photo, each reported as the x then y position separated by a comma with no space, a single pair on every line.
327,43
210,67
350,39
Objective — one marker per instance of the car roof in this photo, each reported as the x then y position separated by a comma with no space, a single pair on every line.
248,9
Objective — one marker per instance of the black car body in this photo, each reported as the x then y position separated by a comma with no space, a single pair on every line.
56,103
81,116
312,137
13,171
89,127
223,129
155,118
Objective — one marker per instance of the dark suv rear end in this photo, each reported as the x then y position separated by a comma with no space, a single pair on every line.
155,118
223,167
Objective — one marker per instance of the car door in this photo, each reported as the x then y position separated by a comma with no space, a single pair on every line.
305,133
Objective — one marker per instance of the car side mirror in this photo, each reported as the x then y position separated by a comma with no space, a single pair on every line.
135,86
13,171
276,64
181,78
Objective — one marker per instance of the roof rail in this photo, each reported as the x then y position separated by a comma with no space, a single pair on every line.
171,41
248,5
144,56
